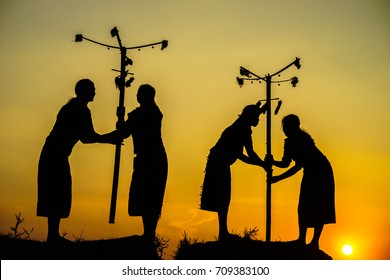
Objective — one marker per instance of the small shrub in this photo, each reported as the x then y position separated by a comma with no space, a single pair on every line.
15,230
251,233
184,245
161,244
79,238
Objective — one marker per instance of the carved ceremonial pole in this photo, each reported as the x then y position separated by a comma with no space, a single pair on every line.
268,79
121,84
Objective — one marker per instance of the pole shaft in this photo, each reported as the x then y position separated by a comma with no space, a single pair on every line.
121,119
115,181
268,152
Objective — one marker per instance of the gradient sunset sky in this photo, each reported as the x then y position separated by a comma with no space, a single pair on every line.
342,99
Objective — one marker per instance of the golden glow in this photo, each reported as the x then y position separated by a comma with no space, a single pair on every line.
342,99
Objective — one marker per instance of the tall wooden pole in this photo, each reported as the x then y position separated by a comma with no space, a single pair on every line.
120,113
268,153
267,79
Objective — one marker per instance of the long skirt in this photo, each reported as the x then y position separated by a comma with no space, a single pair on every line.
54,186
317,197
147,186
216,189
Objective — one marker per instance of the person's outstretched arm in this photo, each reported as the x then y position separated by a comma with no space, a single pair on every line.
290,172
89,135
251,157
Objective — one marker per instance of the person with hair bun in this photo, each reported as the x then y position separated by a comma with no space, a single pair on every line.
317,193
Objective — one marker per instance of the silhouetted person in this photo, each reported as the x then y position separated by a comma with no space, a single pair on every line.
73,123
150,168
216,189
317,195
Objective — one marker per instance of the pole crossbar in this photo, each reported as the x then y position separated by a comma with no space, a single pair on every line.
296,62
164,43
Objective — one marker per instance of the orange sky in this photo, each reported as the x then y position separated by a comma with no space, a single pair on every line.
342,100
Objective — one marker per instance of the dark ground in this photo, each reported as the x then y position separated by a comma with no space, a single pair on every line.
248,249
133,248
126,248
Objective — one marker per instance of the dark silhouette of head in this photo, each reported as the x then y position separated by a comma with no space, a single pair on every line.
85,90
146,94
291,125
251,114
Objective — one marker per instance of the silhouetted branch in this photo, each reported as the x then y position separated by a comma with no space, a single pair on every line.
161,244
79,238
15,229
251,233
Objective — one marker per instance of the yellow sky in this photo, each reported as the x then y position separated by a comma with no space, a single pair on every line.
342,100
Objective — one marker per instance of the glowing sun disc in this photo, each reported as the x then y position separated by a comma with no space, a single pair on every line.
347,249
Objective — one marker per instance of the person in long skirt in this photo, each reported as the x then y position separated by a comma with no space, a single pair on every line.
216,189
73,124
317,193
150,168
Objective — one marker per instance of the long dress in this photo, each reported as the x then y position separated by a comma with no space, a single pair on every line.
216,189
317,193
73,123
150,168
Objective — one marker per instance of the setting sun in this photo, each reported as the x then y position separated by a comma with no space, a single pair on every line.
347,249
